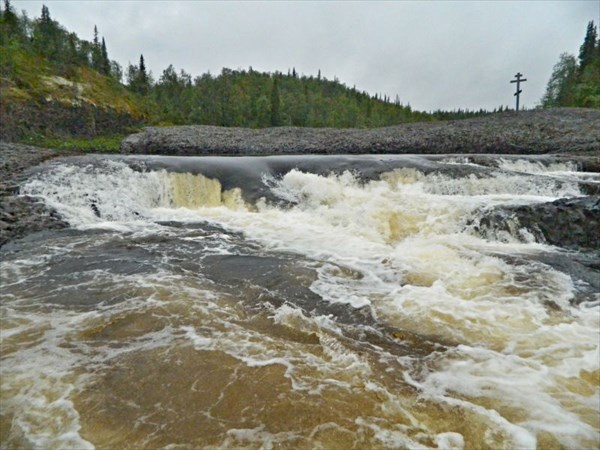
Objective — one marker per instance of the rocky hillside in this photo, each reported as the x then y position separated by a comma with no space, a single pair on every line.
527,132
38,98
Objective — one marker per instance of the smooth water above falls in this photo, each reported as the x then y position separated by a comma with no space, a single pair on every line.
299,302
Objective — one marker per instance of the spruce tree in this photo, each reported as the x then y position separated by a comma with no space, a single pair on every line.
9,15
45,19
275,105
105,62
142,81
45,35
9,22
96,52
143,75
588,48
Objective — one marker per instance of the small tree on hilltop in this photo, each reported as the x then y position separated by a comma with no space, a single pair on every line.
96,52
143,76
137,77
45,19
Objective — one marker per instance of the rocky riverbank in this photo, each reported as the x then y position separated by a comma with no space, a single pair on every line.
528,132
21,215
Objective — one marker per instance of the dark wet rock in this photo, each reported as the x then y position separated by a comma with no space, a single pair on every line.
22,215
582,267
20,119
528,132
259,280
569,222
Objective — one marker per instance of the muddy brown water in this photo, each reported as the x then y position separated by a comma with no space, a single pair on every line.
334,302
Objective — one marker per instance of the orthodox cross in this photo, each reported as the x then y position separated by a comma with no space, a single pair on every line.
518,80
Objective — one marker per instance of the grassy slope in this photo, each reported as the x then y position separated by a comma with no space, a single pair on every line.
31,81
32,78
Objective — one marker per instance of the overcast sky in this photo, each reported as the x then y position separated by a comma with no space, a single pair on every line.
432,54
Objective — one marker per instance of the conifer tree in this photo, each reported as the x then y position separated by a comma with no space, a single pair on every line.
47,35
573,84
9,16
588,48
143,75
7,8
45,19
275,105
105,62
138,78
71,56
9,24
96,52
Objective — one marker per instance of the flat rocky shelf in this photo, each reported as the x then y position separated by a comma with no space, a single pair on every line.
572,130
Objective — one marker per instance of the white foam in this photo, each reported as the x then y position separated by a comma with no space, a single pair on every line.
450,441
531,166
97,196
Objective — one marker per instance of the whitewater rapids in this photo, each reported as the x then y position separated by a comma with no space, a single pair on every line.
299,302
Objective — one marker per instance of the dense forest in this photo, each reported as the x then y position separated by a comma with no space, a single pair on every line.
242,97
31,48
576,81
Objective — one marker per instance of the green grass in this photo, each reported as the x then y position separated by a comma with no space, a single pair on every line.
99,144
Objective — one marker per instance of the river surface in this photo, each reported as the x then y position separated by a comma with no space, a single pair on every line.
296,302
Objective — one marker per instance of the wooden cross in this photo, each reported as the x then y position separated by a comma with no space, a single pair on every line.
518,80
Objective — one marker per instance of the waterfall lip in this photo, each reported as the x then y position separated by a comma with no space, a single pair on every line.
248,172
369,165
248,180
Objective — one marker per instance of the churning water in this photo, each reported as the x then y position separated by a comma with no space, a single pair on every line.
300,302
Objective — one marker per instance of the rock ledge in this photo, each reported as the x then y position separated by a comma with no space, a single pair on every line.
527,132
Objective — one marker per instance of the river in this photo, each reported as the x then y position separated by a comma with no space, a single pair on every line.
296,302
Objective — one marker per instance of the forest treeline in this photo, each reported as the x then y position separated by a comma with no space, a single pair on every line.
245,97
242,97
576,81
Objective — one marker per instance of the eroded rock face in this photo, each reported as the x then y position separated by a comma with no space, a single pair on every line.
527,132
571,223
22,215
57,119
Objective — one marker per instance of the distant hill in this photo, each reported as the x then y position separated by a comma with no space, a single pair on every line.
55,84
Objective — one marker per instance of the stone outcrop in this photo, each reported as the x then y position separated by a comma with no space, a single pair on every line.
22,215
568,222
20,119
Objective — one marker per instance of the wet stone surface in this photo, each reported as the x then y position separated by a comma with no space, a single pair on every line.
571,223
22,215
